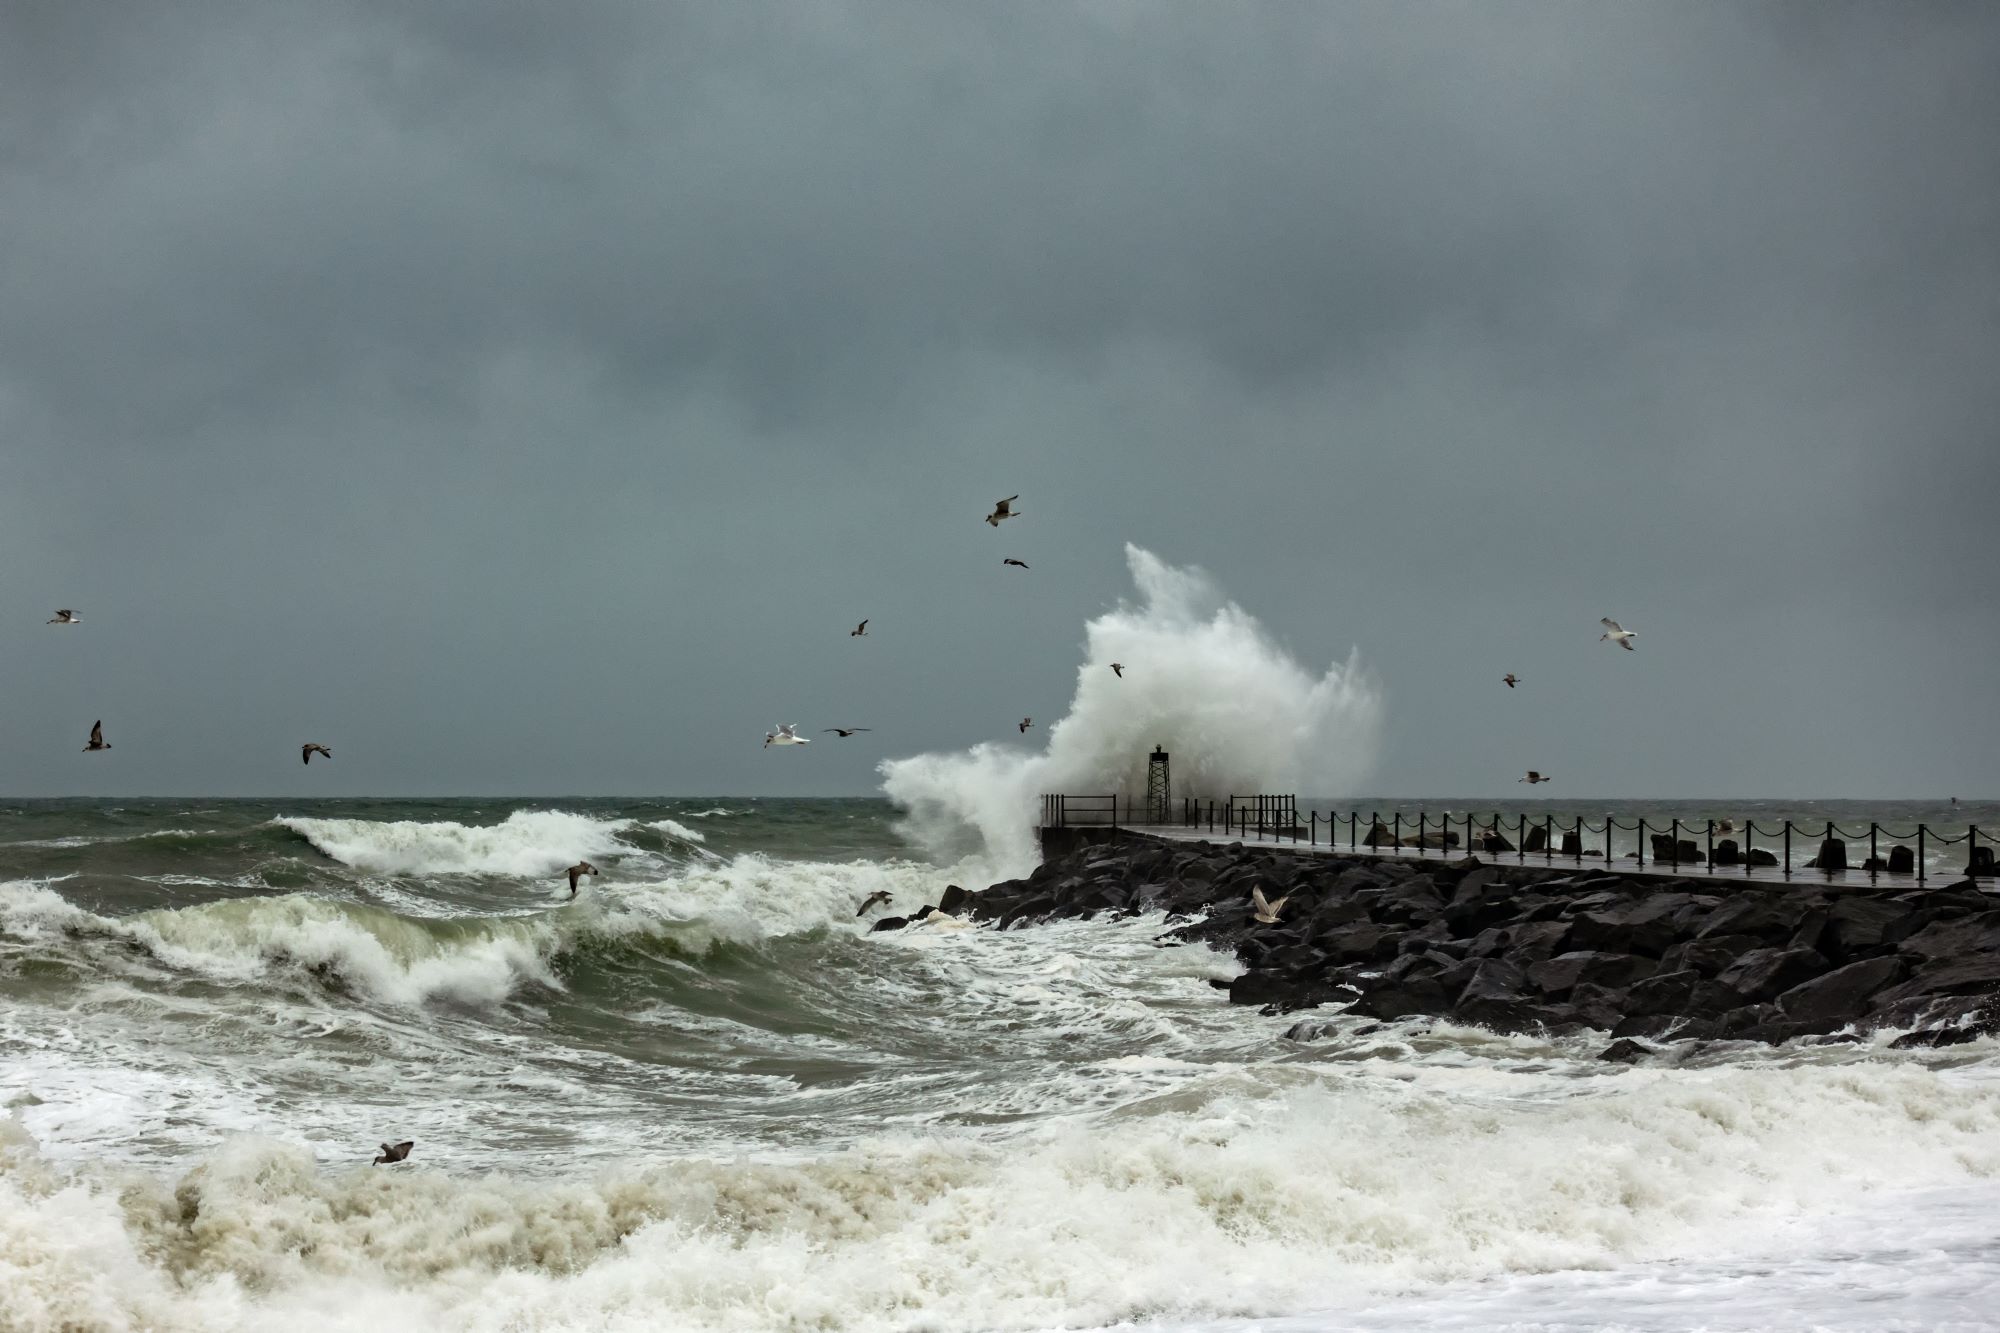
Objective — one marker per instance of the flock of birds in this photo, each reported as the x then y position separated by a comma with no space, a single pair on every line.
788,734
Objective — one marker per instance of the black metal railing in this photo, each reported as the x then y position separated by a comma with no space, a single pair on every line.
1711,844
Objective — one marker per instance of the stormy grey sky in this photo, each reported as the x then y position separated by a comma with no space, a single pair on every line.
528,398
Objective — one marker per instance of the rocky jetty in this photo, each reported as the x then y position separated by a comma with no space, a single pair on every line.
1526,948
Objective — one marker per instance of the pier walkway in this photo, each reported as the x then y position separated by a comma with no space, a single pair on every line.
1882,856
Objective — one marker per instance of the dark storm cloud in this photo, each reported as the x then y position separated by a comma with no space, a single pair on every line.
557,365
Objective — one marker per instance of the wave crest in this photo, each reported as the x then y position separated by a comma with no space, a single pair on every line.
528,844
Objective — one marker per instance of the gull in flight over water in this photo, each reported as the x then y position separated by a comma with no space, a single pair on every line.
1118,670
309,749
97,741
395,1152
881,896
1002,510
1264,910
858,630
785,735
1511,679
1534,777
845,732
1618,633
66,618
1010,560
577,872
1027,722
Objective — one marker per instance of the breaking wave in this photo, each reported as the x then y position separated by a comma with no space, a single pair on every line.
1238,1205
1203,678
528,844
398,959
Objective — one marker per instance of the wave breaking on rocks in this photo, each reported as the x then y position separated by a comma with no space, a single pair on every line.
1522,948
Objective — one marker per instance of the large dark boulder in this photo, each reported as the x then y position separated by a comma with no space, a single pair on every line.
1424,997
1764,974
1840,996
1726,852
1649,926
1902,861
1558,975
1708,956
1665,993
953,900
889,923
1856,925
1978,976
1357,943
1832,856
1770,916
1961,937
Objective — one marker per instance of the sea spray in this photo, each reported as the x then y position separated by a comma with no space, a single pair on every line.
1202,677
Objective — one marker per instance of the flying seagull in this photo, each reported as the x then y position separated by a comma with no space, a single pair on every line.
1617,632
785,735
309,749
1511,679
577,872
1534,777
66,618
1002,510
1263,910
845,732
97,741
879,896
1118,670
1027,722
395,1152
858,630
1010,560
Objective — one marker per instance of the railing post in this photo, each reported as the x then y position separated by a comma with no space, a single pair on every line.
1642,842
1788,849
1674,835
1920,853
1711,846
1874,860
1396,832
1521,839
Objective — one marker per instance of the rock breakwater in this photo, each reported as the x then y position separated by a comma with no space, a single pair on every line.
1522,948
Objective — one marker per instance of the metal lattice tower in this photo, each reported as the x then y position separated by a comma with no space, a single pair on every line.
1159,787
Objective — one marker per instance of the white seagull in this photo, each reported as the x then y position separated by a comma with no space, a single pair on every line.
785,735
66,618
1618,633
1003,510
1264,910
1534,777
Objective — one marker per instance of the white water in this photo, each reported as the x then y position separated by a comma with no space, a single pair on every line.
1202,678
1250,1197
528,844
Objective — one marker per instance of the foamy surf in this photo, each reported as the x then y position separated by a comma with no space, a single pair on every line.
1240,1205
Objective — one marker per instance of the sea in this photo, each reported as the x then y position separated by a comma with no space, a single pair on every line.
704,1095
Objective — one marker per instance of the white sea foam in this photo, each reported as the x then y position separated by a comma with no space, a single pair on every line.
1235,1205
1202,677
528,844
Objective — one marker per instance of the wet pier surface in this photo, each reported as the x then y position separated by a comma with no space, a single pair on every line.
1859,880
